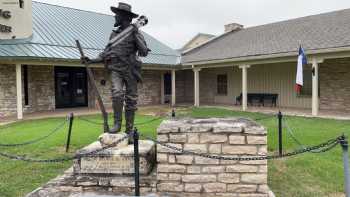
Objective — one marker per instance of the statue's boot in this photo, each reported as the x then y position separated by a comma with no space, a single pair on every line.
129,125
118,115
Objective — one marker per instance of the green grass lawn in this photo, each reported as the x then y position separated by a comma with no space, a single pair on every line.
18,178
302,176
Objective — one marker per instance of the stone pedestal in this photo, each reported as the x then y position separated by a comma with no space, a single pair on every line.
193,175
118,160
110,171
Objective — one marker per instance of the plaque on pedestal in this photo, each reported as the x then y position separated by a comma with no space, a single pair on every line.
117,160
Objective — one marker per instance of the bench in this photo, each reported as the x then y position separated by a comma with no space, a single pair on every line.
260,98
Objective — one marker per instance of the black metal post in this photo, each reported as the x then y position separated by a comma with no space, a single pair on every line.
173,114
71,118
345,146
136,163
280,145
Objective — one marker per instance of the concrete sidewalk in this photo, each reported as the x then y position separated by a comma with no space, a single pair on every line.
155,110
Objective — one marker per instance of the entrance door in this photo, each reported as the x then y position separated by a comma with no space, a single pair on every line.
71,87
167,87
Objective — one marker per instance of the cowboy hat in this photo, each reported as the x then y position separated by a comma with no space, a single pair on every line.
124,8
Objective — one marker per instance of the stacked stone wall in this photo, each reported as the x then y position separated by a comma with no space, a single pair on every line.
184,86
70,184
189,175
105,89
335,84
149,90
184,175
41,89
8,102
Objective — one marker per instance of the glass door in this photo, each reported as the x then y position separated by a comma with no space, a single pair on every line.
71,87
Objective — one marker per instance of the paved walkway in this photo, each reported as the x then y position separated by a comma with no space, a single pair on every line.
338,115
147,110
162,109
329,114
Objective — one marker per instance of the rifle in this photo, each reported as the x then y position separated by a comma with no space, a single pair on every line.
94,87
141,21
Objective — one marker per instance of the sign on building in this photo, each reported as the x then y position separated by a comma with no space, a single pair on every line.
15,19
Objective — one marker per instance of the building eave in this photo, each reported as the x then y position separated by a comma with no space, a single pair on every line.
327,53
74,62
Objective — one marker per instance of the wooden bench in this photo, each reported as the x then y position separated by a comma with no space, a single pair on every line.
260,98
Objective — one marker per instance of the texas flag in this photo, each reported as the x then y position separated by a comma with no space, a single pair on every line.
301,62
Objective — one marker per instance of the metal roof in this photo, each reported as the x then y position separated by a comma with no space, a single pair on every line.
56,28
322,31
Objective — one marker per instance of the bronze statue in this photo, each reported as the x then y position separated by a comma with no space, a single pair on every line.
124,66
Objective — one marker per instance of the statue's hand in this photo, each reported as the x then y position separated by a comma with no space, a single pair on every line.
85,60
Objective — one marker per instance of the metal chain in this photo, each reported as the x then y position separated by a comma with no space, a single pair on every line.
291,133
327,146
264,118
89,121
294,138
64,159
56,129
330,144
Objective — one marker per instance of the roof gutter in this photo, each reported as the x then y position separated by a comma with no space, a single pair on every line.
74,62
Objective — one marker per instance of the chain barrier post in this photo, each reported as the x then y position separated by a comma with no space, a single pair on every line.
136,162
173,114
345,146
280,146
71,118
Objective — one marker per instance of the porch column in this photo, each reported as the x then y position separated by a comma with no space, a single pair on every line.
162,91
244,86
315,86
196,86
173,88
19,91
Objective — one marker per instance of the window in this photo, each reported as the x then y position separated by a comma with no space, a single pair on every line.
25,84
167,84
222,84
306,90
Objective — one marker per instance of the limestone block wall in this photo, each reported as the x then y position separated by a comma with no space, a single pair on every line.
41,92
8,100
335,84
149,90
105,90
190,175
184,86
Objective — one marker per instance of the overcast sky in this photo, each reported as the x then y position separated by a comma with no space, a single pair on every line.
174,22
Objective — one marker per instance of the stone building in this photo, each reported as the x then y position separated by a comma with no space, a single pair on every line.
40,68
262,60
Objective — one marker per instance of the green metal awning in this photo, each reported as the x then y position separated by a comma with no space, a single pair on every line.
56,28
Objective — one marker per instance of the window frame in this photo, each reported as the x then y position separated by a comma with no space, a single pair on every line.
222,85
